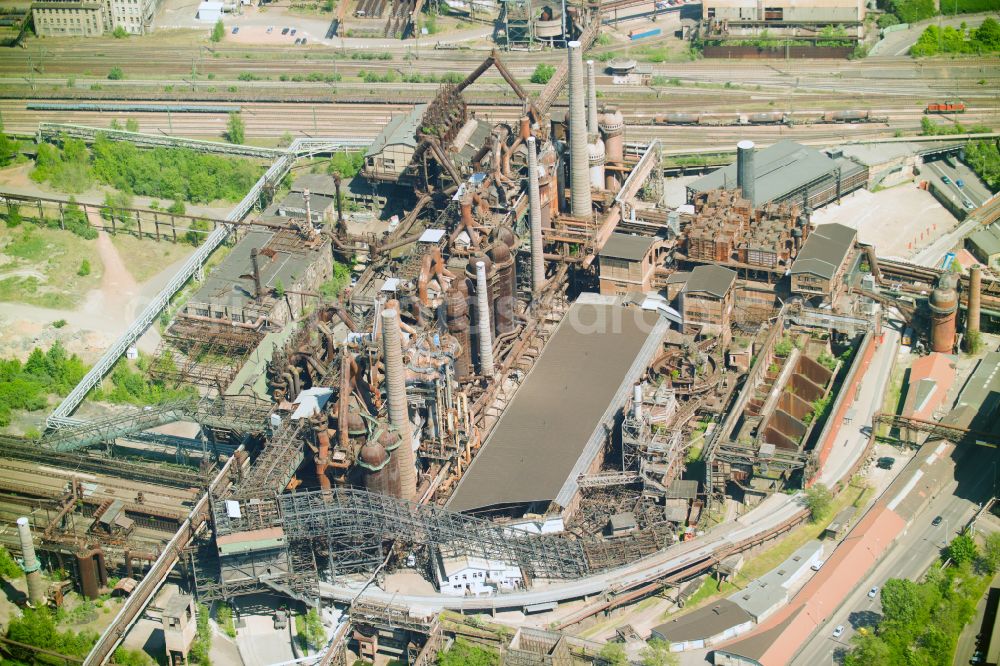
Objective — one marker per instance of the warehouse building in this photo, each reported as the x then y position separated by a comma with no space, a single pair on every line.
781,13
554,429
820,267
90,18
704,627
788,171
984,244
627,263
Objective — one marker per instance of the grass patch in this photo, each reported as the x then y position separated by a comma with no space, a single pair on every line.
708,590
45,266
761,563
145,258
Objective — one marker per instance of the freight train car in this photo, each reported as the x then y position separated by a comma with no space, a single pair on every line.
131,108
945,107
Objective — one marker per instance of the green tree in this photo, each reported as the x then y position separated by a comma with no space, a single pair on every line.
338,280
218,31
612,654
464,653
119,32
177,207
132,125
988,35
314,633
279,289
116,74
8,149
543,72
84,269
9,569
962,549
657,653
127,657
235,128
869,650
901,602
911,11
818,501
224,616
991,552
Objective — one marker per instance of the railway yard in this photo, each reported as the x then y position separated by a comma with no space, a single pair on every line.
493,368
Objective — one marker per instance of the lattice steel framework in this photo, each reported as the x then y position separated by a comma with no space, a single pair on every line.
362,517
238,414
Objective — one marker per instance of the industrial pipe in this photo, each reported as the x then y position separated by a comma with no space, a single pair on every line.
32,569
591,100
395,380
535,201
975,295
745,173
483,322
581,205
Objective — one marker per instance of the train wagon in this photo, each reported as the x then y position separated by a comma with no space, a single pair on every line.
945,107
767,118
846,116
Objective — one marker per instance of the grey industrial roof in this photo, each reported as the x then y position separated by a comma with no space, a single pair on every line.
978,406
297,201
401,128
231,282
710,279
763,594
987,239
756,645
627,246
316,183
703,623
824,250
779,169
553,428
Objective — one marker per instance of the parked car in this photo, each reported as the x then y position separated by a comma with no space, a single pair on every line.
817,565
303,41
946,180
960,182
270,29
977,658
937,521
886,462
968,205
284,31
872,592
294,30
298,41
280,619
236,30
839,631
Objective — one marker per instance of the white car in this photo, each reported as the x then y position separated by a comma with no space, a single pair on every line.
838,632
817,565
872,592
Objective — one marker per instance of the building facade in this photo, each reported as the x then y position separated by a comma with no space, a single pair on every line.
820,267
468,575
90,18
707,299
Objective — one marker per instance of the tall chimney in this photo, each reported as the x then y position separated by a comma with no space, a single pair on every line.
637,402
591,100
975,289
395,381
744,169
535,201
36,588
257,292
579,174
483,322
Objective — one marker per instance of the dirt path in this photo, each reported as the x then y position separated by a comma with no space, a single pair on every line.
101,317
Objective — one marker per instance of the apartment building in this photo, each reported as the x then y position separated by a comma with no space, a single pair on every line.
89,18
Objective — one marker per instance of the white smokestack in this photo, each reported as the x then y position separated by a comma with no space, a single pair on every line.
395,381
592,128
535,202
581,204
483,322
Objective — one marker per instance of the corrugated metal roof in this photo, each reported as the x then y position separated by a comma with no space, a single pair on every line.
779,170
710,279
987,240
824,250
550,425
401,129
703,623
627,246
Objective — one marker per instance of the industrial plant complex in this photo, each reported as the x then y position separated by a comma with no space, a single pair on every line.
513,367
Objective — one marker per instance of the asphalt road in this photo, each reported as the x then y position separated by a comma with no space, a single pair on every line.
970,190
912,554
